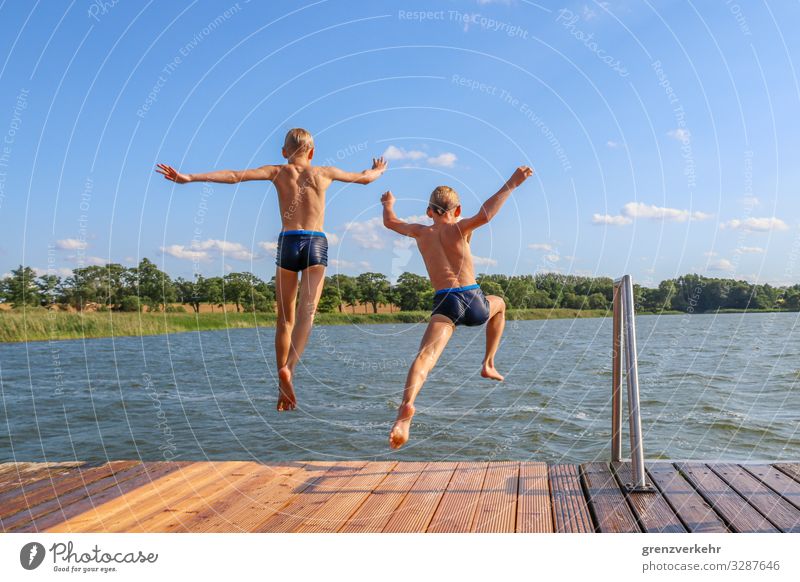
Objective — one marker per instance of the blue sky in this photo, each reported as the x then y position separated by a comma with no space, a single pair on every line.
663,135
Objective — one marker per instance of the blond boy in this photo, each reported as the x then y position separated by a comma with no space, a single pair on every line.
302,244
444,246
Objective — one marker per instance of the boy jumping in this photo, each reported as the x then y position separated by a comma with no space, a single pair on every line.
458,299
302,245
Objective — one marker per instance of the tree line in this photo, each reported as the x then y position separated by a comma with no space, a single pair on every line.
120,288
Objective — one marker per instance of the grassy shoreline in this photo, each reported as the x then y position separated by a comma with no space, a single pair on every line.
42,325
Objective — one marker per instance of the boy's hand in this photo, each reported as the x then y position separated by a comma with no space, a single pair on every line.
172,174
379,164
388,199
520,175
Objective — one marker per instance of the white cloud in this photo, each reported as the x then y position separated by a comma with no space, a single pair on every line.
396,153
635,210
751,201
181,252
553,257
484,261
749,250
613,144
345,264
445,160
641,210
366,234
70,244
204,250
755,224
230,249
680,134
710,254
61,272
333,238
612,220
270,246
721,265
540,247
341,263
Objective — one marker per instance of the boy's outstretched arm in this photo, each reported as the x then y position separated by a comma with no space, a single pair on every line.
220,176
391,221
365,177
493,205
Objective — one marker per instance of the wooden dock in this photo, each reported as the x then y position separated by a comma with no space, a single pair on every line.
357,496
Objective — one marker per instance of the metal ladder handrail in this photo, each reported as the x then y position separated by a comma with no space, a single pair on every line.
624,330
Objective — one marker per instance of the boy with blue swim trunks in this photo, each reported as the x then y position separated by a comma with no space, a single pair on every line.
458,300
302,245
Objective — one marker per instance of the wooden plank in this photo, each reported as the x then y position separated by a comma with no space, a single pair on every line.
696,515
570,509
456,510
25,473
80,500
534,511
209,516
497,506
225,483
778,481
378,508
739,515
651,509
312,498
775,508
418,506
102,517
791,469
330,517
142,505
270,500
55,485
606,500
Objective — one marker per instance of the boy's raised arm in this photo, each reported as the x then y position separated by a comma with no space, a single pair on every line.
493,205
365,177
220,176
391,221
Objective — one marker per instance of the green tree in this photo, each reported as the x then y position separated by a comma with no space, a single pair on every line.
187,293
210,291
372,289
331,299
153,286
348,290
21,289
410,292
490,287
50,289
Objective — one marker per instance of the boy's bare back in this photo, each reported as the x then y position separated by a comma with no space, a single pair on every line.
301,192
447,256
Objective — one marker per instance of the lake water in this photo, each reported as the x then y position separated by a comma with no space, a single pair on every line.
712,387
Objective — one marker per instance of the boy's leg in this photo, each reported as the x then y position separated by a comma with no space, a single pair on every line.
494,331
286,296
438,333
310,291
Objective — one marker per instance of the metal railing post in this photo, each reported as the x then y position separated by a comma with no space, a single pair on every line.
625,331
616,379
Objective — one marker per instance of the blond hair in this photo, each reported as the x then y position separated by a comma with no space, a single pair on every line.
443,200
297,141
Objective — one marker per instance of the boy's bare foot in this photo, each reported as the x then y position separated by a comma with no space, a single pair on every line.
286,397
399,435
489,371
